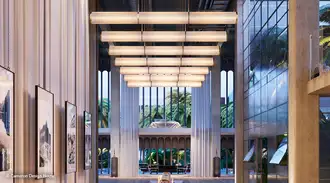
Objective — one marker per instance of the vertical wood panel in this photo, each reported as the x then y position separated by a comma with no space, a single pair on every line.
31,75
240,174
303,108
93,87
2,32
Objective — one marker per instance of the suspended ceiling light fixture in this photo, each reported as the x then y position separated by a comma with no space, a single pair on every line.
164,70
158,77
163,61
164,50
163,36
163,18
164,84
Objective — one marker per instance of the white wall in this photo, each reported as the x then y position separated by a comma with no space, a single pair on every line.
59,63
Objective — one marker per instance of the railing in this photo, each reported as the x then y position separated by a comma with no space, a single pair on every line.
319,59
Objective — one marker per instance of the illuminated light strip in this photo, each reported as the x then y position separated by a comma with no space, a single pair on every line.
164,50
163,84
164,70
163,18
163,36
163,61
163,77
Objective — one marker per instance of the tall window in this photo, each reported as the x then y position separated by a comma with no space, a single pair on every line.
104,99
227,99
167,103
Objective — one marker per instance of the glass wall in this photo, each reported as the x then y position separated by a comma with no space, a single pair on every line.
324,25
324,139
167,103
104,98
265,44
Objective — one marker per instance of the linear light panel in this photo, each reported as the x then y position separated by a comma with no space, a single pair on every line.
191,77
137,61
164,50
197,61
136,77
139,84
164,61
164,77
194,70
164,70
114,18
189,84
212,18
163,18
134,70
163,84
163,36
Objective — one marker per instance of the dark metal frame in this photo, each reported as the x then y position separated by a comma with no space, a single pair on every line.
37,88
66,137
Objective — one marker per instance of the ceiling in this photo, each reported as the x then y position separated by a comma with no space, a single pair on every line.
159,5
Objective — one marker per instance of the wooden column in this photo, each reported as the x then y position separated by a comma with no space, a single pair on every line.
239,98
303,108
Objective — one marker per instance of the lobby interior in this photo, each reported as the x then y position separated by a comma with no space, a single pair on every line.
206,90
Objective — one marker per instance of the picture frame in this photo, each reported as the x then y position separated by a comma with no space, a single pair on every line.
7,124
71,138
44,133
87,140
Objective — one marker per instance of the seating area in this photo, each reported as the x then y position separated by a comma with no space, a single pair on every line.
144,167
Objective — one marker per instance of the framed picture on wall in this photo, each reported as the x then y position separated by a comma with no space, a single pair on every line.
71,137
6,124
88,140
45,132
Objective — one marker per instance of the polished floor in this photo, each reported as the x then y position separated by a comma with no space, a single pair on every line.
154,181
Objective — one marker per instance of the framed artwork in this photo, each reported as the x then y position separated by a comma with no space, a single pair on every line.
88,140
45,132
71,137
6,124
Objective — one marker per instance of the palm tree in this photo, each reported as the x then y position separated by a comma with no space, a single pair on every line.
178,110
103,113
325,33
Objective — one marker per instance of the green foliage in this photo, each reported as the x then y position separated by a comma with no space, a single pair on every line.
103,157
103,114
325,33
178,155
178,109
230,118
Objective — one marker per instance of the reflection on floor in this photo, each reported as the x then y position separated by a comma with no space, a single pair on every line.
155,181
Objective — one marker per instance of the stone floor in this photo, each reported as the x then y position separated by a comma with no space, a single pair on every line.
155,181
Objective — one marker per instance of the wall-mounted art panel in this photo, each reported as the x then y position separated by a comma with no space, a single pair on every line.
88,139
71,137
45,132
6,124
